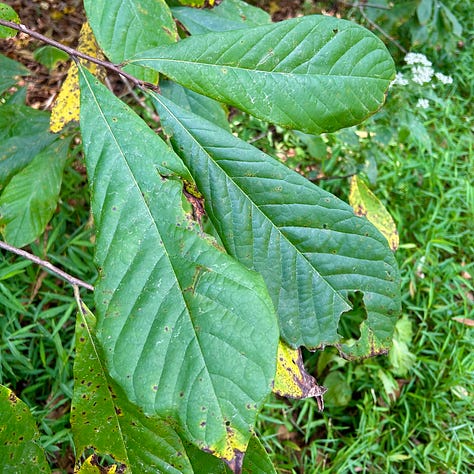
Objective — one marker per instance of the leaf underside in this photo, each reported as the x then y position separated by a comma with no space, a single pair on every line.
314,73
308,245
187,332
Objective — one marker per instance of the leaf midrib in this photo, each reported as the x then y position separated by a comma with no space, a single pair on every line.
290,75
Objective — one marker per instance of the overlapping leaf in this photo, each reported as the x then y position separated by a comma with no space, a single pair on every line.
25,209
126,27
187,332
365,203
23,134
229,15
102,417
9,72
309,246
313,73
19,437
66,106
197,103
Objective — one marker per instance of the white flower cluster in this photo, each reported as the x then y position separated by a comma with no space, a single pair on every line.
422,74
444,79
423,103
421,71
417,58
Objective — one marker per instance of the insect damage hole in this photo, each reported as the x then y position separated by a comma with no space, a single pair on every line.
350,321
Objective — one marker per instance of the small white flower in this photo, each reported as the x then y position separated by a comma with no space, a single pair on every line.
422,74
417,58
444,79
423,103
399,80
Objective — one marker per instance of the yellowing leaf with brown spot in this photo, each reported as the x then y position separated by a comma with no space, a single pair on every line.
66,107
365,203
291,378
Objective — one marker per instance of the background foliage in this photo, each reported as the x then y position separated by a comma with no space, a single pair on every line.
412,412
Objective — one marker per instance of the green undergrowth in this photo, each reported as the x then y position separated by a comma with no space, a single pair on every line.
409,412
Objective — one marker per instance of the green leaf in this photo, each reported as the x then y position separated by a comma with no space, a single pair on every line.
187,331
9,72
19,436
313,73
229,15
125,27
197,103
308,245
23,134
339,392
101,415
424,11
30,198
49,56
7,13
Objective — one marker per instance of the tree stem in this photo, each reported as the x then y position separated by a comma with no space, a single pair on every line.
48,266
74,53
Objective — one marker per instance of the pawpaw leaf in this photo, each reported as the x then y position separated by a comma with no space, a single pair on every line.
311,249
23,134
26,209
126,27
197,103
187,332
103,418
9,14
314,73
365,203
291,378
19,437
229,15
10,70
66,106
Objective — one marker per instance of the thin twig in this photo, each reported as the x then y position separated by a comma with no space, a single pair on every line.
43,263
381,31
365,5
74,53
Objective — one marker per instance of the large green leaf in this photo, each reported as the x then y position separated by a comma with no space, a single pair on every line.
125,27
9,72
187,331
313,73
229,15
30,198
19,437
102,417
309,246
23,134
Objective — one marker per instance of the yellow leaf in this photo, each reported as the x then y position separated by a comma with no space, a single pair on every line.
66,107
365,203
291,378
197,3
89,466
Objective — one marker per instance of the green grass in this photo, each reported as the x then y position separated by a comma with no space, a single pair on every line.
378,419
